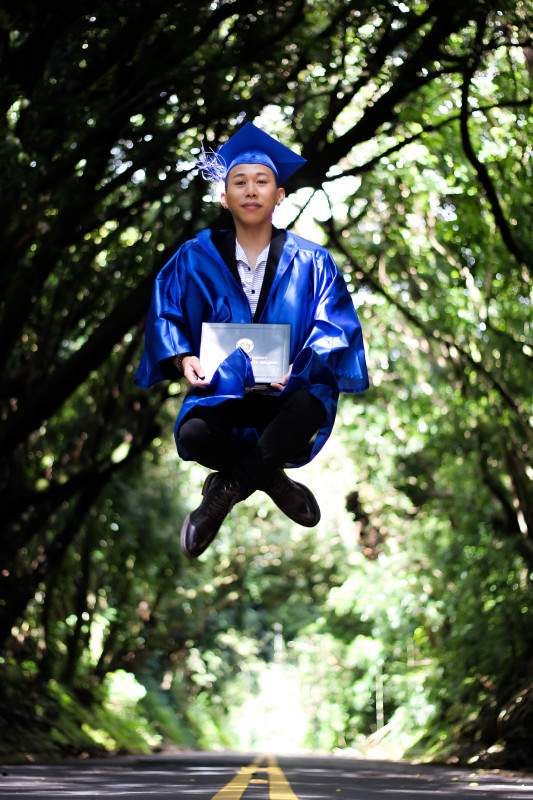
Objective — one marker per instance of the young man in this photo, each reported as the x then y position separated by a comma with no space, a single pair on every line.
253,274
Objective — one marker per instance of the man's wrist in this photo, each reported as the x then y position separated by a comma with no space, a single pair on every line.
178,360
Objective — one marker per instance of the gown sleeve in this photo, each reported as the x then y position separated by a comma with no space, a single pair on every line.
167,331
336,335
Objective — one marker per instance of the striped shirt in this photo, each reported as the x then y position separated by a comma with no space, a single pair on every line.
251,279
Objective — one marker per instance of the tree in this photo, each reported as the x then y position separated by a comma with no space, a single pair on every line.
104,110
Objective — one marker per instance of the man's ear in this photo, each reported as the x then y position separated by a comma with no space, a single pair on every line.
281,195
223,200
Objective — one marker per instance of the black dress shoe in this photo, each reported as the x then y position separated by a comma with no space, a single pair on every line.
212,479
295,500
201,526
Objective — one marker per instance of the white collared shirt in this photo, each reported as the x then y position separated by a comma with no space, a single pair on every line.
251,279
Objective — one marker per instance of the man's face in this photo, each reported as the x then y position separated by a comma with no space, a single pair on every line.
251,193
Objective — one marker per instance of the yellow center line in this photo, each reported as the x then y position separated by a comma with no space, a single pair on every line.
279,786
235,788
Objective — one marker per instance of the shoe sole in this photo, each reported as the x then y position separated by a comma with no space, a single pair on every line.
317,509
182,539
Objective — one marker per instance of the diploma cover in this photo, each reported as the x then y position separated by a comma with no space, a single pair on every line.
268,347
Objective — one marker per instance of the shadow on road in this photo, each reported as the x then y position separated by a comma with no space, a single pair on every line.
206,776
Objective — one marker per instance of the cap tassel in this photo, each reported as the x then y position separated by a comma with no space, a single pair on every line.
212,165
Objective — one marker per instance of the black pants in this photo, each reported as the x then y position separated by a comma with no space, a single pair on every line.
286,424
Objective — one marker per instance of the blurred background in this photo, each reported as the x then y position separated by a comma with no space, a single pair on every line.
402,624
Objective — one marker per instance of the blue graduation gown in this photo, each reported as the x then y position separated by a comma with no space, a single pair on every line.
306,290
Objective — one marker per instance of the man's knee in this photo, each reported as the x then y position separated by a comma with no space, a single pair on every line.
306,404
192,432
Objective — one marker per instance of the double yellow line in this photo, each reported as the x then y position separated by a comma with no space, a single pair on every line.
279,786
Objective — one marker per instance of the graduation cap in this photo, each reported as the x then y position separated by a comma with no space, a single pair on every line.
250,145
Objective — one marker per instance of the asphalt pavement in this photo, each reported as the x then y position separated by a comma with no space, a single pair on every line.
232,776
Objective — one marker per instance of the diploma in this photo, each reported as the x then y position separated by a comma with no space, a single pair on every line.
268,347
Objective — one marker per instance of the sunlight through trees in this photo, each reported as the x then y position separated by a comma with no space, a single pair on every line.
406,615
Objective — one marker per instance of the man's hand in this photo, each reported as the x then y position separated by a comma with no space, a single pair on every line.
279,387
193,372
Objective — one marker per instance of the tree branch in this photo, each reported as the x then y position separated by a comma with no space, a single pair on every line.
480,168
431,333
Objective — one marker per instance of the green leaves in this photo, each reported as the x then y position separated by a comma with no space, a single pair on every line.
415,123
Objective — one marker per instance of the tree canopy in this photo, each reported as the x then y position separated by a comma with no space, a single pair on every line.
415,121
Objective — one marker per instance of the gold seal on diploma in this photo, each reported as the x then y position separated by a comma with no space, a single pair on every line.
246,344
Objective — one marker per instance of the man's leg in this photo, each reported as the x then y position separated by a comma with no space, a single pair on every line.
286,424
205,433
291,428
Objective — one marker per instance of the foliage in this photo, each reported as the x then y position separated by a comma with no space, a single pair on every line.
414,120
71,722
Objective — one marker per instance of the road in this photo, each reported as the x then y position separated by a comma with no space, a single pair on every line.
220,776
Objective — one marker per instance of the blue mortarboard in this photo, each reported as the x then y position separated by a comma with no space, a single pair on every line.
250,145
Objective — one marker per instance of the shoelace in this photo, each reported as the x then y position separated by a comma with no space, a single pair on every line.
222,502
